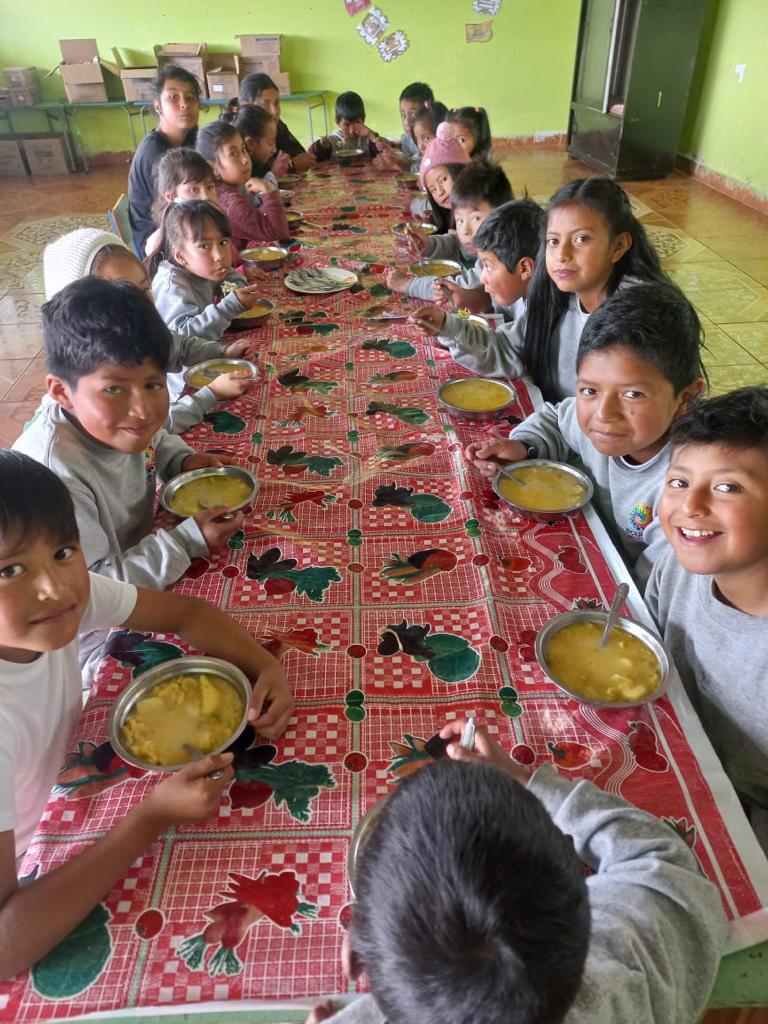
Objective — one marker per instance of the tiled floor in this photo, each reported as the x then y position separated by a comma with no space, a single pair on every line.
716,249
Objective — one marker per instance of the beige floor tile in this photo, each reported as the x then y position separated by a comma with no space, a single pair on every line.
726,378
18,341
735,247
13,416
21,308
722,350
10,371
752,337
754,266
30,384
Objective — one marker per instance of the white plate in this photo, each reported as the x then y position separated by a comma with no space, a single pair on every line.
320,280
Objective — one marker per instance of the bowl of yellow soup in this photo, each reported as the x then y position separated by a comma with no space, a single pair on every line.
190,493
435,268
258,314
288,180
542,488
201,374
294,218
263,257
408,179
361,835
633,668
476,398
197,700
419,227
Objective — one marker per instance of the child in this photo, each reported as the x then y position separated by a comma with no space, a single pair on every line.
351,130
472,130
177,105
222,146
471,904
259,90
412,99
47,596
639,367
100,428
441,165
258,130
181,174
424,129
479,188
194,259
90,251
709,591
506,244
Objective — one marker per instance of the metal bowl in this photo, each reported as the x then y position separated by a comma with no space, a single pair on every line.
360,837
476,415
294,218
288,180
146,682
399,230
252,318
263,257
538,513
286,195
237,472
636,629
207,369
349,153
435,268
408,179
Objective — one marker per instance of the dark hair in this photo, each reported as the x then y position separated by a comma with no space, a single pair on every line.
350,105
252,86
92,322
481,181
34,502
471,903
173,71
442,217
657,323
176,167
182,219
511,231
253,121
107,252
737,420
433,112
418,92
547,304
476,120
211,137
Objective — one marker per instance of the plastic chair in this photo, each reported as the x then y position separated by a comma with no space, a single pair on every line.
120,223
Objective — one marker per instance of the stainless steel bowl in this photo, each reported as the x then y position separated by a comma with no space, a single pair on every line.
408,179
360,837
206,369
476,415
348,153
288,180
636,629
294,218
286,195
538,513
250,319
276,254
399,230
143,684
237,472
435,268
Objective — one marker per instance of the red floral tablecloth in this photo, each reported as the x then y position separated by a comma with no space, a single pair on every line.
399,592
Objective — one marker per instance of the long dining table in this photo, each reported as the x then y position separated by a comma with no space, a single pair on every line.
399,592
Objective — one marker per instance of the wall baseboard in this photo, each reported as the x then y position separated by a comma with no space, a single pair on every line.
110,159
546,140
722,183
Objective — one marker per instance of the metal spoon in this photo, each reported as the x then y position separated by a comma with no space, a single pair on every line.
198,755
618,600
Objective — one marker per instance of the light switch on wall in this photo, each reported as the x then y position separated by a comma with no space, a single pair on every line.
740,71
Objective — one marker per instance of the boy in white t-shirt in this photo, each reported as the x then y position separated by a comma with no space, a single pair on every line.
47,596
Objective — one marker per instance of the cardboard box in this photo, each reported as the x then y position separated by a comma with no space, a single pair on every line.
20,78
5,99
137,82
283,83
83,71
46,154
260,65
223,76
24,97
191,56
260,46
11,159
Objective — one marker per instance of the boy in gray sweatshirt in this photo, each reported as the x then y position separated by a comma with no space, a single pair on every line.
638,366
709,591
100,429
471,904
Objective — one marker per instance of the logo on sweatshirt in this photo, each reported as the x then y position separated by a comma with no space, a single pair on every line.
149,462
640,517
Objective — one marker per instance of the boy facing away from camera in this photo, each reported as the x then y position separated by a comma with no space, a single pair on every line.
471,904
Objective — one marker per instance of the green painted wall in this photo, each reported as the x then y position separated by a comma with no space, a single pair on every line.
522,76
725,125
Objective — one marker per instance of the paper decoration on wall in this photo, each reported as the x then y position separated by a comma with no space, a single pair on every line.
481,32
354,7
373,26
393,45
491,7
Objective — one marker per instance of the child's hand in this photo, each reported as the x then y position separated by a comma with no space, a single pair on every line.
189,795
417,241
322,1011
231,385
489,456
486,750
396,280
476,300
430,319
271,703
280,164
236,349
249,295
202,460
217,525
258,185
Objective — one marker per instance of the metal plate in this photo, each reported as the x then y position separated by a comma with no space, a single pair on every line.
435,268
277,256
232,365
360,837
476,415
398,230
538,513
252,318
320,280
236,472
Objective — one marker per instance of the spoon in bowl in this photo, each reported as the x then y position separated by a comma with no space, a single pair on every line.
198,755
613,615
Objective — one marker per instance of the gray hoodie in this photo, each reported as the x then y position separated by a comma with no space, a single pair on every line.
658,927
188,411
187,302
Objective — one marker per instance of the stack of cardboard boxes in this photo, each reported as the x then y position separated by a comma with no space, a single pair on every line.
21,88
261,54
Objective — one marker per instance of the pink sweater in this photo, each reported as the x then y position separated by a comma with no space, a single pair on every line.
265,223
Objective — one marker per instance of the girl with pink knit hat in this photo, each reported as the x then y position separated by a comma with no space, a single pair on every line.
440,166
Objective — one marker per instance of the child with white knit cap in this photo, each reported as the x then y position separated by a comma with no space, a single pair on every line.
89,251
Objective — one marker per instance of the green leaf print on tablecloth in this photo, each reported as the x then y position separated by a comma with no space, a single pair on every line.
78,960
